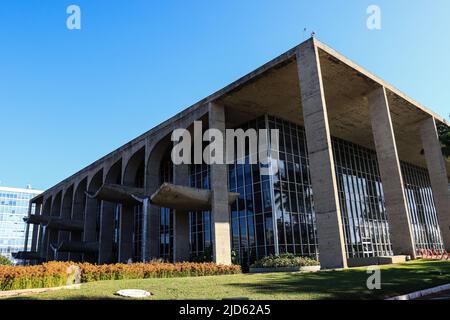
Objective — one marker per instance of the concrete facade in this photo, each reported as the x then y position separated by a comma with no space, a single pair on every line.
310,85
327,208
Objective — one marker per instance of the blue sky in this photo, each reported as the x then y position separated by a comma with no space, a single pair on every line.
69,97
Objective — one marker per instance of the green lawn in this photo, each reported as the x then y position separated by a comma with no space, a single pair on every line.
343,284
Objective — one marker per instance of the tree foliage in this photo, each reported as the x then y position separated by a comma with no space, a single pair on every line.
4,261
444,137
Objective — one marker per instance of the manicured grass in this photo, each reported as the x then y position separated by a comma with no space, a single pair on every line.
341,284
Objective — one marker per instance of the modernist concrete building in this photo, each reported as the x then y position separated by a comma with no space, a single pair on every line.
361,175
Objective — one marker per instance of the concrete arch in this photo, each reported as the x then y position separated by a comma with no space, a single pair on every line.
131,217
92,215
53,234
78,213
79,200
108,218
156,153
43,234
66,212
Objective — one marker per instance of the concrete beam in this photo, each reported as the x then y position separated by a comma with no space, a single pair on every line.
220,210
438,176
326,198
391,174
181,197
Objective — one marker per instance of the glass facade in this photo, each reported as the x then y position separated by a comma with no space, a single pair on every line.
200,221
422,212
275,213
364,217
14,205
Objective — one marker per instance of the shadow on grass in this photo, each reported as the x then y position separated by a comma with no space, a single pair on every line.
351,283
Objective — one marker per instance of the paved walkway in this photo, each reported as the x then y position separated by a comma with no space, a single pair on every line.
445,295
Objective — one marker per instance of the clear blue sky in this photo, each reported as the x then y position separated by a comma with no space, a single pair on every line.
69,97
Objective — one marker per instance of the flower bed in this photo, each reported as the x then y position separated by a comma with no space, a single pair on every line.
54,274
90,272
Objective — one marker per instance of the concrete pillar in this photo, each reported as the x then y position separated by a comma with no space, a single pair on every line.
27,228
126,233
43,234
181,218
391,174
106,239
153,182
438,177
220,211
34,236
323,178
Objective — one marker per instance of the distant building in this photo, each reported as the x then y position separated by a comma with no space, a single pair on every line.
14,204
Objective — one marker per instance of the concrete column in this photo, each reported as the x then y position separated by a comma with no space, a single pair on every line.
43,235
181,218
391,174
34,236
126,233
323,178
105,254
438,177
153,180
220,211
27,228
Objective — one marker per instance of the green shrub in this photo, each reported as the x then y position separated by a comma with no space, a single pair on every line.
54,274
285,260
4,261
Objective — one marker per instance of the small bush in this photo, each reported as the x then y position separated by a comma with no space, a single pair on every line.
4,261
53,274
285,260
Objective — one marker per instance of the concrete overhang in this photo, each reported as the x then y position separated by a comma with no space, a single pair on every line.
119,194
185,198
27,255
55,223
275,91
76,247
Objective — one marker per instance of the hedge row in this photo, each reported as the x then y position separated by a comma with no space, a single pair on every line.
53,274
90,272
